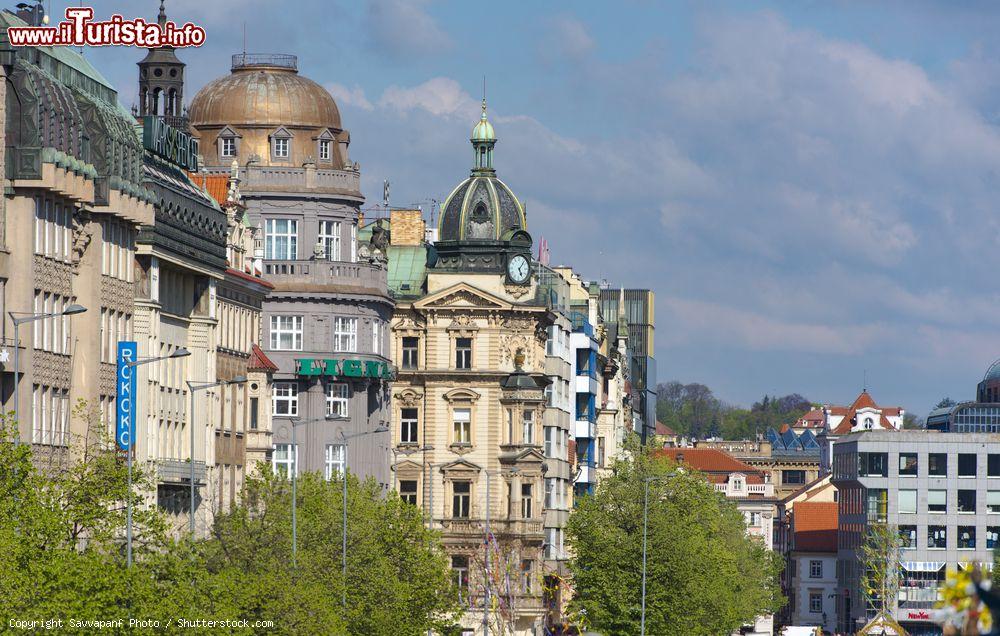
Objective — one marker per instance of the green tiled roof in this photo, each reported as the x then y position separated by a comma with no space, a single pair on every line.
407,267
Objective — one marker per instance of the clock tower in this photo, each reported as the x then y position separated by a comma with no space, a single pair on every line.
483,226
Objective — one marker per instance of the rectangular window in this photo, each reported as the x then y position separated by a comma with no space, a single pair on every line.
966,537
254,416
527,509
460,571
334,460
527,574
329,238
937,501
550,486
908,536
408,491
815,602
937,537
410,352
993,465
286,333
993,501
354,242
408,426
815,569
462,426
907,501
873,464
337,395
280,147
345,334
528,427
376,337
463,353
324,149
280,239
793,477
878,499
966,464
228,147
461,496
937,464
908,464
967,501
992,534
283,460
549,441
285,399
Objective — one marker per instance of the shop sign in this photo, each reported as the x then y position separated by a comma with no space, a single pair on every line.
167,142
346,368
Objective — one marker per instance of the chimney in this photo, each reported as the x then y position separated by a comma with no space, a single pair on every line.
407,227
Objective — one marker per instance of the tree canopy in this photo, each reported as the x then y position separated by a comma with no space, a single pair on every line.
62,553
693,410
705,576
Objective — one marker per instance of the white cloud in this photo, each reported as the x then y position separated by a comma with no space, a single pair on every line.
440,96
349,96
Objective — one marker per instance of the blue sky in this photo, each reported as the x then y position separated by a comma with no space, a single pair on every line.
811,188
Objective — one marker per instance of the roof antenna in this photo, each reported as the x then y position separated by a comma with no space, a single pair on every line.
864,384
244,37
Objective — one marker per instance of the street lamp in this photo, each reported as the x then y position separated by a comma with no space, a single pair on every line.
192,388
177,353
645,523
19,318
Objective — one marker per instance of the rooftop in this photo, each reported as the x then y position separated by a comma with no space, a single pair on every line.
815,526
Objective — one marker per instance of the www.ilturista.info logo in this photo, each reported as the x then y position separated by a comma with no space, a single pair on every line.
79,30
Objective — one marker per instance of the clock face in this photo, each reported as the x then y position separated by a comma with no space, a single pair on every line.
518,269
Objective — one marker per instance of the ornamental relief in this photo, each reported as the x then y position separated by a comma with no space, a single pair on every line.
516,290
509,346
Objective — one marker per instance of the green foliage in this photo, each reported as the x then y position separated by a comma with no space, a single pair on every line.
62,553
705,576
693,410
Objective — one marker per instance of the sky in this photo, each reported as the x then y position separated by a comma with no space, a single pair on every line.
810,188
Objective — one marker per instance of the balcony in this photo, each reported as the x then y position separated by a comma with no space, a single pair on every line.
325,277
749,490
176,471
588,474
585,383
499,527
258,178
583,429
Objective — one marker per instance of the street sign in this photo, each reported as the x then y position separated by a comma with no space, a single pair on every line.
125,381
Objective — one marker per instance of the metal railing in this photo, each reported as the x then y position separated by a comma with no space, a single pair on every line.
247,60
326,273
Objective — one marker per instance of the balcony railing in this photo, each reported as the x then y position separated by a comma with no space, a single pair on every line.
179,471
291,274
250,60
258,177
497,526
767,490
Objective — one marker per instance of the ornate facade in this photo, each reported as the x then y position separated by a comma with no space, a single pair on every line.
470,403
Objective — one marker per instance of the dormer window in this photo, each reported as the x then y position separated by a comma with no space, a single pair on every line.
228,147
324,146
281,144
324,150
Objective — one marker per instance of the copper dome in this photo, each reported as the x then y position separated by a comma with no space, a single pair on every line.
264,90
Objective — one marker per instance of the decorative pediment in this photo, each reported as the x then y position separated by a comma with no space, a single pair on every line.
461,395
410,322
408,468
460,468
229,133
326,135
529,456
281,133
460,296
409,397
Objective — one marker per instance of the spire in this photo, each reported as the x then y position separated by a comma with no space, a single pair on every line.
483,139
161,19
622,321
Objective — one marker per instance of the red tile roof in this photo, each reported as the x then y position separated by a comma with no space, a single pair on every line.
814,524
716,464
864,401
260,281
216,184
663,429
259,361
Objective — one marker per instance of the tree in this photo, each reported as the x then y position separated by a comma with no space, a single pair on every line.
705,576
945,403
880,561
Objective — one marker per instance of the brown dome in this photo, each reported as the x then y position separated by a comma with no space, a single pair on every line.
264,90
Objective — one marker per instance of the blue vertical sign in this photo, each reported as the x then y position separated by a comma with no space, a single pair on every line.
125,381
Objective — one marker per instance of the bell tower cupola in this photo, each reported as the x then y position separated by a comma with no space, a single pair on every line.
161,82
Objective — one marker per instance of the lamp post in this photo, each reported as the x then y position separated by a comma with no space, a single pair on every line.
19,318
645,524
192,388
177,353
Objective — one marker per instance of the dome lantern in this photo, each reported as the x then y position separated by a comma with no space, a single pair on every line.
483,139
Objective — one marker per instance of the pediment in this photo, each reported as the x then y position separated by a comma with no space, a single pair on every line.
281,133
462,296
228,132
530,455
408,467
461,395
461,466
326,135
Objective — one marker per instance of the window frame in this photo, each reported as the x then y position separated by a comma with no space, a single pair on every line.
409,425
342,335
271,235
463,354
465,439
409,354
292,398
461,502
334,461
293,329
908,471
337,398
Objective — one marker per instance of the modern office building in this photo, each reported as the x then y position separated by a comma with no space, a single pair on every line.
74,202
325,320
981,416
942,490
640,308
